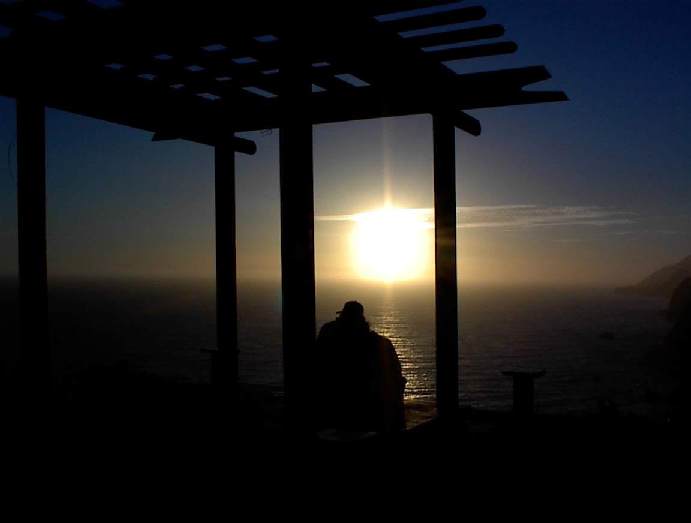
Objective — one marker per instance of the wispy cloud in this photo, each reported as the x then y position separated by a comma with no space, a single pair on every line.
532,216
516,217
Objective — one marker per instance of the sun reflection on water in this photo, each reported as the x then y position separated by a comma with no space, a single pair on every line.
400,326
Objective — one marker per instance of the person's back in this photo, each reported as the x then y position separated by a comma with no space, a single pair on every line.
679,313
359,379
390,386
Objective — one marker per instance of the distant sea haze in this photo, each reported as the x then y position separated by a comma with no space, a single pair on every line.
592,342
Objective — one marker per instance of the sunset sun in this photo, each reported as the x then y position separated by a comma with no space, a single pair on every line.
389,244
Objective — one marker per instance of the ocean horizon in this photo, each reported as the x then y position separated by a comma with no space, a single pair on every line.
592,342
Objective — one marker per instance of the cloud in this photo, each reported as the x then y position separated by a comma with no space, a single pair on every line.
532,216
570,240
518,217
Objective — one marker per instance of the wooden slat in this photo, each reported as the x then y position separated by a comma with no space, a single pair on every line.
473,51
383,7
458,36
503,78
458,16
517,98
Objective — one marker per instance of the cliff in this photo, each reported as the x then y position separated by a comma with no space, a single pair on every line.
663,281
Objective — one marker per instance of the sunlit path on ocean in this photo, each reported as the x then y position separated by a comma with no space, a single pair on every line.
391,317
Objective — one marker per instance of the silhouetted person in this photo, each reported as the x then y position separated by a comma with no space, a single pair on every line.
679,313
358,375
678,354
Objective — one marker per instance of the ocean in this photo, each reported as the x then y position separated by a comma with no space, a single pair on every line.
592,343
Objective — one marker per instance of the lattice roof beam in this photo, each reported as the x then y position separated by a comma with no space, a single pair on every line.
457,36
128,103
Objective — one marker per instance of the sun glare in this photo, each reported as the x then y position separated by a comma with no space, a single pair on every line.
390,244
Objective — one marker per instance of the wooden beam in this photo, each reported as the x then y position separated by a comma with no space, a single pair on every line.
514,78
404,79
446,281
297,231
224,371
468,91
401,74
240,145
35,362
465,122
176,70
137,103
140,29
503,87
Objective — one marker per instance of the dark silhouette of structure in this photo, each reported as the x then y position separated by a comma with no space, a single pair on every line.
679,313
524,391
358,376
675,356
205,70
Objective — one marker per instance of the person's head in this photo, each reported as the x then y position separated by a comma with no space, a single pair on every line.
353,313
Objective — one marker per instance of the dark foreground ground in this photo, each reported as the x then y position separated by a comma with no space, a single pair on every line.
173,444
109,412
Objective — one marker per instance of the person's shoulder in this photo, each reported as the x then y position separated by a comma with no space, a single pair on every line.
380,339
377,335
328,328
329,325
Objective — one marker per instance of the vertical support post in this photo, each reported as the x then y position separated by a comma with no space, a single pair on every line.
224,366
446,282
297,228
34,340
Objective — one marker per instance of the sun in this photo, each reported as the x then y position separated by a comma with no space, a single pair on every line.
390,244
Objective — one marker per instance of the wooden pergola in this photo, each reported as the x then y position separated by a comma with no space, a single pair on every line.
204,70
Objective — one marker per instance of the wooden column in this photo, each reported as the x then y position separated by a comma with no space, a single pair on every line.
297,228
224,367
446,284
35,363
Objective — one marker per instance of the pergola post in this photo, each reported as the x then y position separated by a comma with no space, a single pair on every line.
224,367
35,361
446,282
297,227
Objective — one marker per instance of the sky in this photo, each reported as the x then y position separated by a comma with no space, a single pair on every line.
596,190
